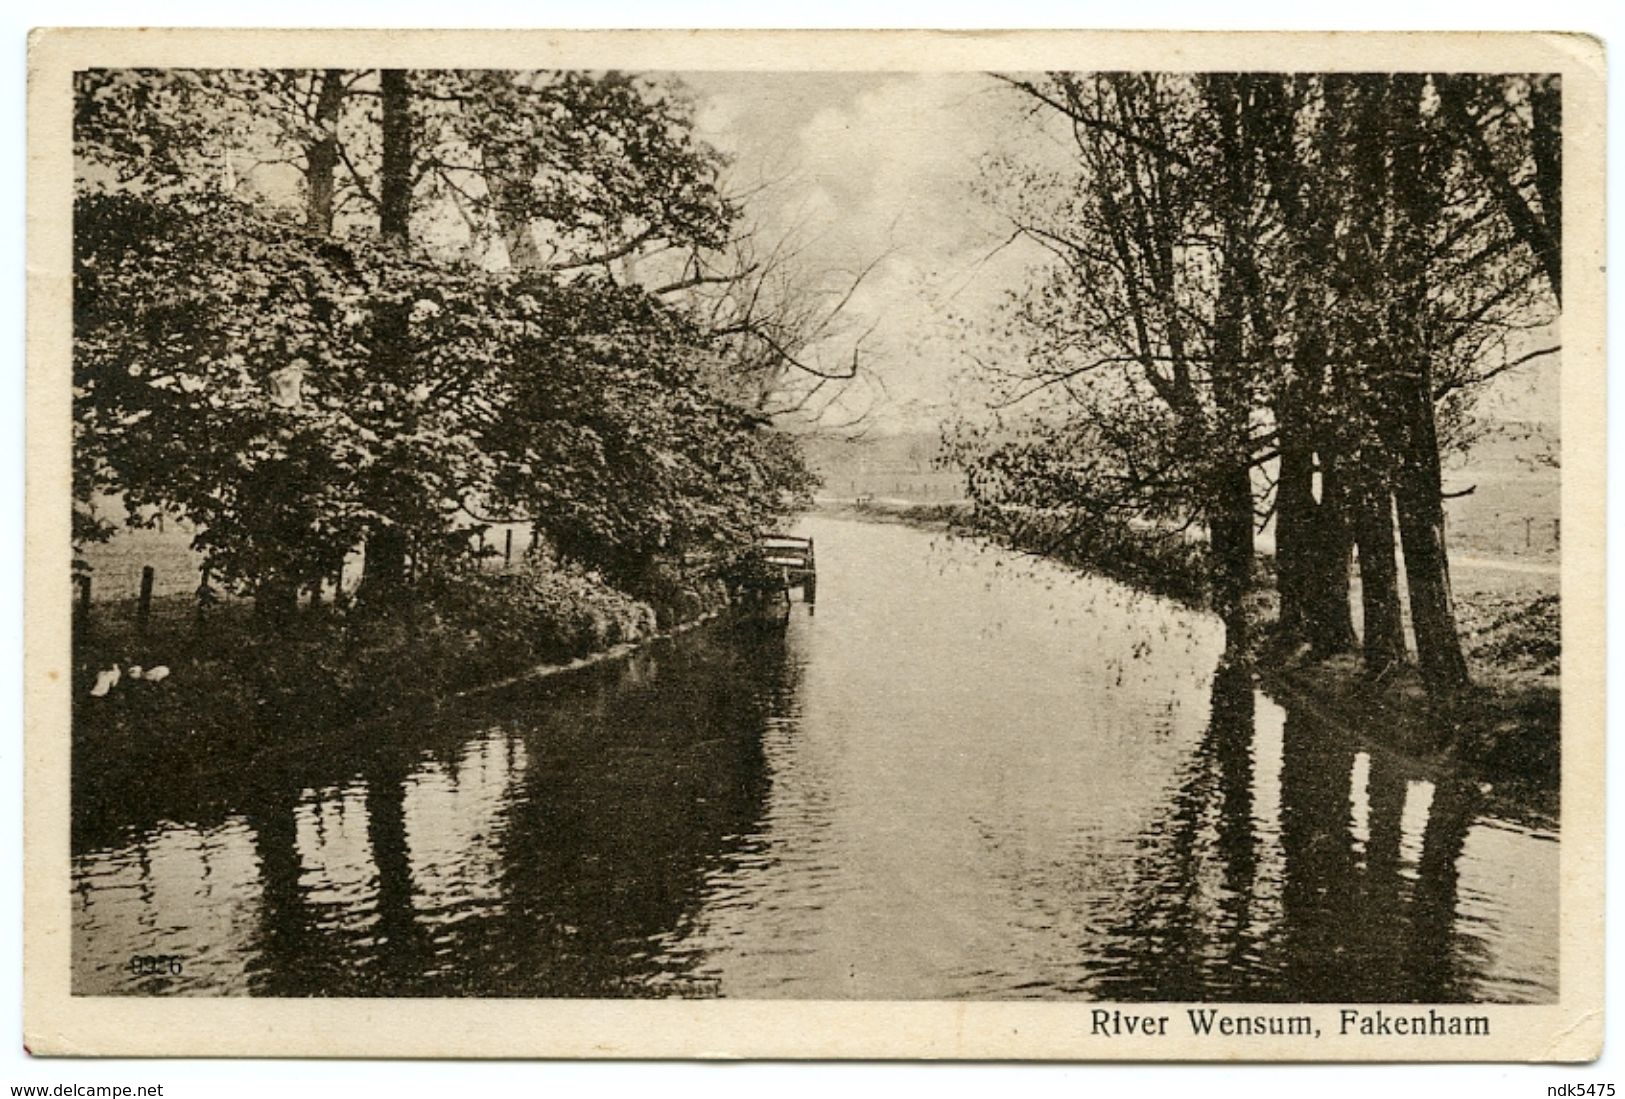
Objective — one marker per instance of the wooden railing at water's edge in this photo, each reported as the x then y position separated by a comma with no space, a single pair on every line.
795,560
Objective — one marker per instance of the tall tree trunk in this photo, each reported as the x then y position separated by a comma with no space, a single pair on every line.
1329,625
1312,546
1546,149
385,562
1418,494
1373,526
395,176
1230,527
322,154
1294,515
1409,416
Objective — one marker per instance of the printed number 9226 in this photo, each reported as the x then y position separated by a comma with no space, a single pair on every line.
152,965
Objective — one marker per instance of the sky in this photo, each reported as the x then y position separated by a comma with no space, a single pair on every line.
877,169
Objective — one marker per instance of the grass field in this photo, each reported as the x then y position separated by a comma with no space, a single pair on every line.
178,569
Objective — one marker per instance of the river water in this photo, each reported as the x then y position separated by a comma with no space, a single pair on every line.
968,775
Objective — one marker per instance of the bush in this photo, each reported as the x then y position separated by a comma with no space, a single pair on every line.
1515,634
543,611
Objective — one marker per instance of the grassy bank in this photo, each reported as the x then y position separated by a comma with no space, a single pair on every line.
1169,566
1506,726
236,687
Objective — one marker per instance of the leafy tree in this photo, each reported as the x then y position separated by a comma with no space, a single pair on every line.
225,371
297,380
615,443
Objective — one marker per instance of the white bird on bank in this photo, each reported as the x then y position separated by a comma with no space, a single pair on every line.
106,680
158,674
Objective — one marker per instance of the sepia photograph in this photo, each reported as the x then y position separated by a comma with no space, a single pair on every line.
609,526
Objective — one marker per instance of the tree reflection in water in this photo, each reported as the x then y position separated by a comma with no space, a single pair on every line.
598,836
1295,864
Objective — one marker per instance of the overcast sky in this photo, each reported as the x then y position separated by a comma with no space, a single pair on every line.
865,167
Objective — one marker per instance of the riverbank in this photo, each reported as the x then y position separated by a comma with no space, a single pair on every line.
1506,728
885,509
1171,567
230,688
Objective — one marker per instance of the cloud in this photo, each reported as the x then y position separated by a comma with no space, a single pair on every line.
872,169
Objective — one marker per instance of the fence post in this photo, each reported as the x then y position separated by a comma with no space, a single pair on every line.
143,609
507,547
84,595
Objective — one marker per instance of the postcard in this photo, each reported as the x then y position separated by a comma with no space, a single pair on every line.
881,544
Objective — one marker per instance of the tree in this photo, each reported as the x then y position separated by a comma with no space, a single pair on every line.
1148,299
1434,286
1418,163
1299,140
322,151
569,171
614,443
1277,295
224,371
297,380
1510,131
387,544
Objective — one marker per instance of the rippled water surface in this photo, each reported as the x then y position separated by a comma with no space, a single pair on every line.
968,775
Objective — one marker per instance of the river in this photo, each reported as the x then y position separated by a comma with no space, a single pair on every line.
969,774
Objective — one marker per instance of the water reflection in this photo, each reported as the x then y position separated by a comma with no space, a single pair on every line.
1297,864
967,777
559,851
